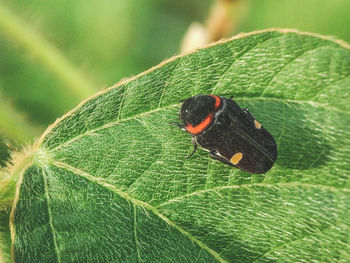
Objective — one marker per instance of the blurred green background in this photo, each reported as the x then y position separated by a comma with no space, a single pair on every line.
53,54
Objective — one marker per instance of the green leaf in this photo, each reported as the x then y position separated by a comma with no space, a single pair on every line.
109,181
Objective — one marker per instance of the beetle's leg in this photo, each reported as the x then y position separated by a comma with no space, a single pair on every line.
213,154
194,147
182,127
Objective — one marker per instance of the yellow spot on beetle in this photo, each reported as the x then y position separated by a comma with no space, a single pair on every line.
236,158
257,124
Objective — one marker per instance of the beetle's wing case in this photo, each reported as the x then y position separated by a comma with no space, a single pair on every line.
238,137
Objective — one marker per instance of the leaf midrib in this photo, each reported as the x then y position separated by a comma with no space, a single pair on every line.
112,124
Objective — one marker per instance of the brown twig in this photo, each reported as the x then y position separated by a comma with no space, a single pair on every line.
221,22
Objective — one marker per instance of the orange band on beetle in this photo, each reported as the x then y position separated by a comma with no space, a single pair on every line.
217,101
201,126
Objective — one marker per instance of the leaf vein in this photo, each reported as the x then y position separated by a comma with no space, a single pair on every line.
329,47
289,63
135,236
248,186
292,241
295,101
111,124
328,85
167,81
257,44
121,104
145,205
153,160
53,230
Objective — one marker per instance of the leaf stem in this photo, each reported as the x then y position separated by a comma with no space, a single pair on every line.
10,174
50,57
222,20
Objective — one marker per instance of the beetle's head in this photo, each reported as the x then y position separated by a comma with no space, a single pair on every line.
196,109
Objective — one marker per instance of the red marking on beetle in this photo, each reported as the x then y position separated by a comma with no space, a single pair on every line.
201,126
217,101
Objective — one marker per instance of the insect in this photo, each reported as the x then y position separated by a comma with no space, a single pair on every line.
230,134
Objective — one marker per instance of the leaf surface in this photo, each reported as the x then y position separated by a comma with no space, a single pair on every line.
110,182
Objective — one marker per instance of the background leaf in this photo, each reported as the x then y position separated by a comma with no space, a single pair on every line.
330,18
109,181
